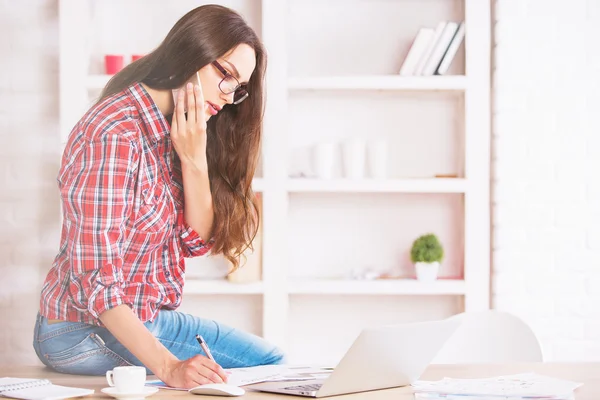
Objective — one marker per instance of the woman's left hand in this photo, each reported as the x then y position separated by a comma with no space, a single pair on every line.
189,136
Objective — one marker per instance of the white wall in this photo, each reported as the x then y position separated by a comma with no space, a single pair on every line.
547,157
547,236
29,156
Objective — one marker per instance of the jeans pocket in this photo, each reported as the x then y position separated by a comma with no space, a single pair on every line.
88,357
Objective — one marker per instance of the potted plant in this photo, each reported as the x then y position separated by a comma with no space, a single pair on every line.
427,253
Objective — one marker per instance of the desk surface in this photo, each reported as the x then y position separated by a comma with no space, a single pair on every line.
588,373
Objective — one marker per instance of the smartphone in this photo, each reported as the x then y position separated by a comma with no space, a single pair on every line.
195,81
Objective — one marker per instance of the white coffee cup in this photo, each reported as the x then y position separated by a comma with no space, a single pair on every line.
354,152
324,159
377,158
130,379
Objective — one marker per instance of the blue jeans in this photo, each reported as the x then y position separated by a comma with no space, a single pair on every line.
83,349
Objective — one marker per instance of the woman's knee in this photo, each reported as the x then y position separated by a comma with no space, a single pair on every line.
231,347
276,356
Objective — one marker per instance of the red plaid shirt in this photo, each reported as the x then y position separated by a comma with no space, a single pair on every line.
124,237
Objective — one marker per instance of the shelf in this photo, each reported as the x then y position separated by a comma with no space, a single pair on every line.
221,286
433,185
381,82
391,82
377,287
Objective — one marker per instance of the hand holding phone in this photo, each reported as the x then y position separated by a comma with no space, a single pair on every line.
195,80
189,135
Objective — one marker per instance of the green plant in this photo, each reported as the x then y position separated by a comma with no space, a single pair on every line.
427,248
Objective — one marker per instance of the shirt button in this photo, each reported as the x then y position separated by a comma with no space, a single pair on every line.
167,274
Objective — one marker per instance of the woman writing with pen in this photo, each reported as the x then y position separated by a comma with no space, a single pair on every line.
148,178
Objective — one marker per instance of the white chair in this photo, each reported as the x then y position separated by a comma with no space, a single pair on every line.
490,337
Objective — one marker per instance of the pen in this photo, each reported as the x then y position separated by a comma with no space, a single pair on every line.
202,344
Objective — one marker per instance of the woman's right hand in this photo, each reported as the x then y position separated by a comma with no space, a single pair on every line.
198,370
133,334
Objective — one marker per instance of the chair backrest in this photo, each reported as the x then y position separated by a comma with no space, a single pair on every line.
490,337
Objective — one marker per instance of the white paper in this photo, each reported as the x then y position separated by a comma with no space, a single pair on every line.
528,385
250,375
271,373
263,373
14,381
38,389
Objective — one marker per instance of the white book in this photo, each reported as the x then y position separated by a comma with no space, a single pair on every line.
38,389
436,35
417,49
443,42
452,49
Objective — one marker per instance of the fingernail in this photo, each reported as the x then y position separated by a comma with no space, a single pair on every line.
189,85
197,88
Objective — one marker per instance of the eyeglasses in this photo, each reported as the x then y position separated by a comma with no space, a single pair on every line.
229,84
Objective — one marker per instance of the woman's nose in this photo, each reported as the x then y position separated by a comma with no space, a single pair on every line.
228,97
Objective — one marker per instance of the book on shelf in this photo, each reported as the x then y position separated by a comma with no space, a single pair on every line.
439,49
439,29
417,49
433,50
452,49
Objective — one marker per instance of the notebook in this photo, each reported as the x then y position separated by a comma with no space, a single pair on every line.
38,389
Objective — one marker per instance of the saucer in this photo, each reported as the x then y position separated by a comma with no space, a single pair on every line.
145,392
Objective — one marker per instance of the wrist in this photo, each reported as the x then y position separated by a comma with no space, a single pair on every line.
195,166
167,365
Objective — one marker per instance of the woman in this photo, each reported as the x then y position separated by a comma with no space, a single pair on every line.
148,175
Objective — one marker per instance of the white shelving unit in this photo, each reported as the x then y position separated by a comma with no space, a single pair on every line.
377,287
379,83
220,286
334,80
347,82
434,185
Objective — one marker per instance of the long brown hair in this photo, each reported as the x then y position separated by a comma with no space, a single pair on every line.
234,135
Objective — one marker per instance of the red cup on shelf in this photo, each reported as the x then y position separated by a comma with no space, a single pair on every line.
136,57
113,63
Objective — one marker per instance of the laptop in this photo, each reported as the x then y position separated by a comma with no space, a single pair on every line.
380,358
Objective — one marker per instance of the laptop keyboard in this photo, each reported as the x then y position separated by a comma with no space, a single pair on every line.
314,386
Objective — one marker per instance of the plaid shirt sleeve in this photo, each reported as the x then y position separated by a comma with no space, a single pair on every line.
191,242
100,197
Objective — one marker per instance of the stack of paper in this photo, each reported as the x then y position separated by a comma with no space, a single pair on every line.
520,386
272,373
263,373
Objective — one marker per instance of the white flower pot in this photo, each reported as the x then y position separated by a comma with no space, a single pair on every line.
427,272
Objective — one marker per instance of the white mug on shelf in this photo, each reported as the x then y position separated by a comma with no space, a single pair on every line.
324,159
377,158
127,379
354,158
